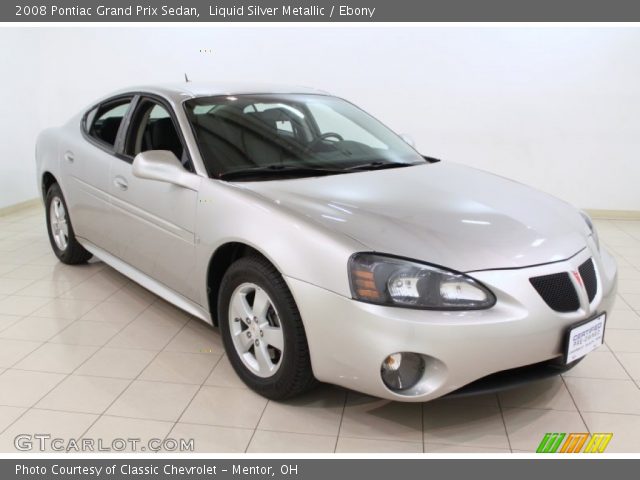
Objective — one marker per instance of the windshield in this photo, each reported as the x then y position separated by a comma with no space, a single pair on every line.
291,135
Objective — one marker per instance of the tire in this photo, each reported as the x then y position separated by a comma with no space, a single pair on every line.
67,249
252,278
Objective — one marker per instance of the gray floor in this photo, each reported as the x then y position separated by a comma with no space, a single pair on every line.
86,353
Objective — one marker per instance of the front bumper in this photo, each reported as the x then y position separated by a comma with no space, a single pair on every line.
348,340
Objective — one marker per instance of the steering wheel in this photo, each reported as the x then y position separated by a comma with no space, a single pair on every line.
318,139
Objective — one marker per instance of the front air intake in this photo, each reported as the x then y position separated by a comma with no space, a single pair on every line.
557,291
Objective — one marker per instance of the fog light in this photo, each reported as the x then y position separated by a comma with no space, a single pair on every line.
402,370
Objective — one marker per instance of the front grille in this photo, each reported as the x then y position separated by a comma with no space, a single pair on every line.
588,274
557,291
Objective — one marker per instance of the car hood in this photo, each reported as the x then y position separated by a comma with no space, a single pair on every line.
442,213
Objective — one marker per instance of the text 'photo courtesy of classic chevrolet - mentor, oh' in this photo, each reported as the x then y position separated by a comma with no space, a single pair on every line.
322,244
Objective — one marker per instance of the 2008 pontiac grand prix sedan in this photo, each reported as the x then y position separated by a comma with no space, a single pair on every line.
322,244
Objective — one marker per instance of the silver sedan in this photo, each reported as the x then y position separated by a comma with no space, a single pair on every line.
322,244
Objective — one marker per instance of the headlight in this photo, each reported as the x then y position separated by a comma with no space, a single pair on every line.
594,232
404,283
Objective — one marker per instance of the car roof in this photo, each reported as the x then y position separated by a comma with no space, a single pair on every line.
181,91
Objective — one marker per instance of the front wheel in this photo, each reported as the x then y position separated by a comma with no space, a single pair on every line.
262,330
63,240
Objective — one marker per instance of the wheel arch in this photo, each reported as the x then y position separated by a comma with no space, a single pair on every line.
47,180
223,257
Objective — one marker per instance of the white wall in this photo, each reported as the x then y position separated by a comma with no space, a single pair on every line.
556,108
19,115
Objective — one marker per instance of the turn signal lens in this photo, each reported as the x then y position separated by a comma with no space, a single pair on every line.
405,283
365,284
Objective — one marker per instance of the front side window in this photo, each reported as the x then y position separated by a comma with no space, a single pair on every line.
153,128
104,121
294,135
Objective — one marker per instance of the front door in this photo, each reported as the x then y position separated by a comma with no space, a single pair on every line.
156,220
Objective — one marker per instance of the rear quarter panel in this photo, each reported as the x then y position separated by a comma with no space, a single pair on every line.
47,155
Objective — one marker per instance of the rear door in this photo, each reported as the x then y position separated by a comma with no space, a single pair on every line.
156,220
86,166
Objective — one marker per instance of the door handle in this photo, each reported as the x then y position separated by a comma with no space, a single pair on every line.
121,183
68,156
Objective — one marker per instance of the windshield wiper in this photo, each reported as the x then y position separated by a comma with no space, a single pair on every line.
278,170
378,165
306,171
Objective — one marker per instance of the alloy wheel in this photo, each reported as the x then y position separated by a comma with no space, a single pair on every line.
256,330
58,222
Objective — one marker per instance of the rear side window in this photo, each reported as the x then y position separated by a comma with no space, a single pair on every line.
103,122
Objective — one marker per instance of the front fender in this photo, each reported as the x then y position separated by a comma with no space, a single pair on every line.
296,245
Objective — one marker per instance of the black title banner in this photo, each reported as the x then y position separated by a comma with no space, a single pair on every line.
320,11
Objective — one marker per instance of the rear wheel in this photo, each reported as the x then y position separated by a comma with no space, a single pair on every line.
262,330
61,236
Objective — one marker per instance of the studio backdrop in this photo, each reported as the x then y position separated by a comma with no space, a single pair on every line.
556,108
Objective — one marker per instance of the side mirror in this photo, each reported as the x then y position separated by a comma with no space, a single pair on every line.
408,139
163,166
